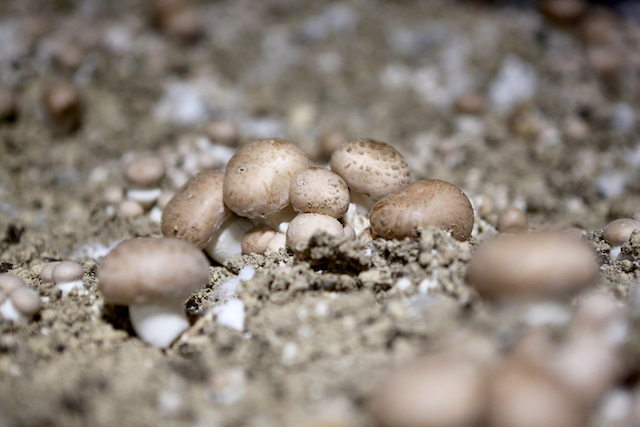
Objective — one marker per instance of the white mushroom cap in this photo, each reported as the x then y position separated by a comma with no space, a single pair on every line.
146,172
371,167
9,283
144,270
256,239
259,175
423,203
512,220
619,231
533,264
318,190
26,301
196,211
304,226
435,391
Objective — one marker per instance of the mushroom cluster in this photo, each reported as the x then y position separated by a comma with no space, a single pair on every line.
17,301
269,198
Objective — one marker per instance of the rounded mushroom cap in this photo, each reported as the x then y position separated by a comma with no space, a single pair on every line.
512,220
144,270
196,211
370,167
26,301
277,242
522,396
259,175
318,190
619,231
256,239
304,226
435,391
146,172
67,271
46,274
9,283
534,264
423,203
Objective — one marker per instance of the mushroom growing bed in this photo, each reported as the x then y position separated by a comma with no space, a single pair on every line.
516,127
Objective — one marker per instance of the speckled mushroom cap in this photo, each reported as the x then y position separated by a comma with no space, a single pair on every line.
144,270
318,190
532,264
370,167
259,175
619,231
423,203
196,211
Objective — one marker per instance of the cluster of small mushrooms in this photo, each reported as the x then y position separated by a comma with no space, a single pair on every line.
269,199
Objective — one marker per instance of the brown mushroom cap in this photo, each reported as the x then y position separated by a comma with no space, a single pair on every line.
256,239
370,167
143,270
196,211
512,220
423,203
436,391
318,190
534,264
619,231
304,226
523,396
146,172
259,175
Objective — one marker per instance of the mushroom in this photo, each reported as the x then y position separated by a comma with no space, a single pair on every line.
618,233
153,277
19,302
143,176
256,239
304,226
67,275
63,107
372,170
197,214
512,220
196,211
523,396
423,203
277,242
24,303
258,178
435,391
318,190
9,283
46,272
548,263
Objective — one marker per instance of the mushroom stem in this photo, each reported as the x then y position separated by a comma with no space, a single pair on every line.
67,287
146,197
9,311
227,240
159,324
359,208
